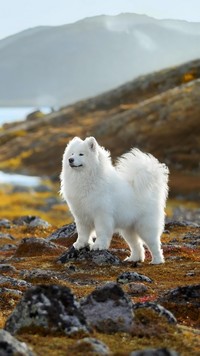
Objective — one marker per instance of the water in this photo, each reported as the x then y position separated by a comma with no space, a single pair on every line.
19,180
8,115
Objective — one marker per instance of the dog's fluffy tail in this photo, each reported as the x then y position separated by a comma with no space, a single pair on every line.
144,172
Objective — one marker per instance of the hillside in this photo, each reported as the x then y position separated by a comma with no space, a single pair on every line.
159,113
55,66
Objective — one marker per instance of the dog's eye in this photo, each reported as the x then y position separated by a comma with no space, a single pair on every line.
81,154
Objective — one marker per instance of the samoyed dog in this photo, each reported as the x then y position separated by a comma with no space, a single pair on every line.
128,198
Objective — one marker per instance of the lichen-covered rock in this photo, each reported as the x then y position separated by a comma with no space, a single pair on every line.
127,277
13,292
184,223
159,309
154,352
98,257
14,282
32,246
32,221
66,235
6,236
7,268
190,216
52,308
5,223
91,346
10,346
183,295
137,288
8,247
65,231
109,309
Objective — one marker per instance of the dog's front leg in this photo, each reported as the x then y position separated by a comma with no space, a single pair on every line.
83,235
104,232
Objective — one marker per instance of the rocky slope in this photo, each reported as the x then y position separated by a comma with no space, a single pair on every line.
58,301
159,113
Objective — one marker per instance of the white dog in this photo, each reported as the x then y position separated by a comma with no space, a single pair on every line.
129,197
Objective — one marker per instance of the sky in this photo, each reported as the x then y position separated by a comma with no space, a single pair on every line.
18,15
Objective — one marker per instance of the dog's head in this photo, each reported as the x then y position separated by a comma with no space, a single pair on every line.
79,153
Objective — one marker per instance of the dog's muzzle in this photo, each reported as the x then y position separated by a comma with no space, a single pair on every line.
71,163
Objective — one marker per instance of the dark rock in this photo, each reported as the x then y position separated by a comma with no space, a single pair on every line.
52,201
127,277
174,223
137,288
154,352
5,223
37,222
21,189
14,282
64,231
66,235
41,274
98,257
10,346
193,238
32,221
42,188
183,295
190,273
189,215
90,346
8,247
108,309
158,309
49,275
7,268
32,246
6,236
51,308
13,292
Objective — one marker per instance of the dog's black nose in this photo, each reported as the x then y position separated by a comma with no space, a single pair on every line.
71,160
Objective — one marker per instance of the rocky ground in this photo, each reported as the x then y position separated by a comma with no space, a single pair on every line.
57,301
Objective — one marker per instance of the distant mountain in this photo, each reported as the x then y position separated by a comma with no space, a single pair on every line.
56,66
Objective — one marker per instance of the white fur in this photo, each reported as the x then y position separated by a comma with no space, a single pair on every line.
129,198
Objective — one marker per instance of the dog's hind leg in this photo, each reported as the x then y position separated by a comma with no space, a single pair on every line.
135,244
151,237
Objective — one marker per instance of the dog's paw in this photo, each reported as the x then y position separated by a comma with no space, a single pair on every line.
135,258
78,245
98,245
131,259
157,261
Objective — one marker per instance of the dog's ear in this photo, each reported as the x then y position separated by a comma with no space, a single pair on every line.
76,139
92,143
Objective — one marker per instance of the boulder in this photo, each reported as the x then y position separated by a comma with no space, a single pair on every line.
32,246
108,309
98,257
127,277
50,308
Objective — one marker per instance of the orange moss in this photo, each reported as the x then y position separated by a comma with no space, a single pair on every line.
188,77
